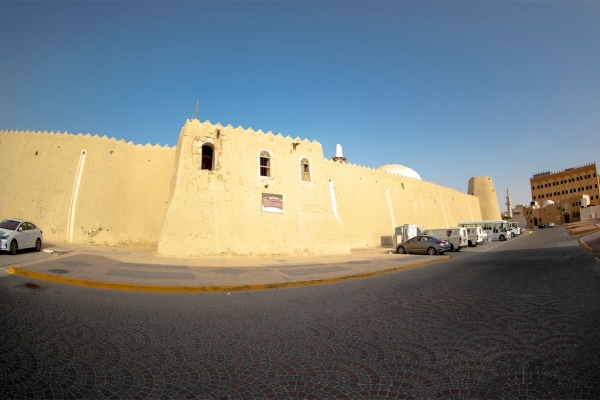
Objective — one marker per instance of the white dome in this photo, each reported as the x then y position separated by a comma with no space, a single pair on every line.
547,203
400,170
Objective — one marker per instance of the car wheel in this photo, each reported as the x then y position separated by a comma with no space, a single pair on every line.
431,251
401,250
502,237
38,245
512,234
452,247
470,244
14,247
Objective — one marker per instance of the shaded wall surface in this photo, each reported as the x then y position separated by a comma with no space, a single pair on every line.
86,189
482,187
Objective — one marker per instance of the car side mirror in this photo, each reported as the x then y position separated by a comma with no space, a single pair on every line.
20,229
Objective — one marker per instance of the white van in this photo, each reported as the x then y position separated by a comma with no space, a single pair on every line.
514,227
476,236
457,237
496,229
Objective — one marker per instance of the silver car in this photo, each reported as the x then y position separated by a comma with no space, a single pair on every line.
424,244
18,234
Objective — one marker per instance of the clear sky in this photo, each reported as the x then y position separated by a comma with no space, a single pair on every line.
451,89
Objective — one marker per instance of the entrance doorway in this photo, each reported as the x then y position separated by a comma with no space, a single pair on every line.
567,218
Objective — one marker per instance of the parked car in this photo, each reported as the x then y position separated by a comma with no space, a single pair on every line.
457,237
541,226
16,234
550,225
424,244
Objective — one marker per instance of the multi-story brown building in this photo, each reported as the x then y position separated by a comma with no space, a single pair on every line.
558,196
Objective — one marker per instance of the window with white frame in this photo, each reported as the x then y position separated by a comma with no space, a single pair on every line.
265,163
305,170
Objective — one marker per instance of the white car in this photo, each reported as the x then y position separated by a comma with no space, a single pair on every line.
18,234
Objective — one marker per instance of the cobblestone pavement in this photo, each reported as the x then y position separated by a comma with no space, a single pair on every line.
518,321
21,257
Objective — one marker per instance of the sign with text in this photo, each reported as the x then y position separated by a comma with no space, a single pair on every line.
272,203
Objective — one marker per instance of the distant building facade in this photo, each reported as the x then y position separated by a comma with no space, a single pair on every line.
560,196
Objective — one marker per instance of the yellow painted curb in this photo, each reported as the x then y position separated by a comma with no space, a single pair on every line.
585,246
203,289
597,260
595,229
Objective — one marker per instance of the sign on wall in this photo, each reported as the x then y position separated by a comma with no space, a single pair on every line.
272,203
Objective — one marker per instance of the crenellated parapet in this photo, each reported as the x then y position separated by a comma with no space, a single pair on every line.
79,136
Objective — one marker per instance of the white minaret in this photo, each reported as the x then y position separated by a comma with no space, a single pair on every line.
338,150
339,156
508,204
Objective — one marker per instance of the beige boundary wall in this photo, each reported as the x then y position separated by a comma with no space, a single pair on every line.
115,194
159,196
343,206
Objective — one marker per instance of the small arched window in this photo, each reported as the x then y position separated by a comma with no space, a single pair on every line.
305,170
265,163
207,157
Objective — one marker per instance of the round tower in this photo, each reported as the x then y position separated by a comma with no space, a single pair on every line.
482,187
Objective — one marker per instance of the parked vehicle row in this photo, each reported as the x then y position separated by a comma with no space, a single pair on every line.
467,234
17,234
495,229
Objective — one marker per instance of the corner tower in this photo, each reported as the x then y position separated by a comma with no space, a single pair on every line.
482,187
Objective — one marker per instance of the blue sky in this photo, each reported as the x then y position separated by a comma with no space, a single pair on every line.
451,89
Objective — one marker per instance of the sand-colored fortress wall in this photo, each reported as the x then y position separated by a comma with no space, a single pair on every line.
482,187
219,211
370,212
86,189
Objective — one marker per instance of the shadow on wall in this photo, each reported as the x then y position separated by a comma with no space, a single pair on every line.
387,241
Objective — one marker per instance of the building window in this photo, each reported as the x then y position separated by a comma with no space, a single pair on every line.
534,197
265,163
596,186
305,170
594,174
207,157
532,188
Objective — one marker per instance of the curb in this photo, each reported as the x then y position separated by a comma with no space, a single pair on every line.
207,289
585,246
584,232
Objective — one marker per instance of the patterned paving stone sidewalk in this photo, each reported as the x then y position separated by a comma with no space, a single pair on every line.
521,321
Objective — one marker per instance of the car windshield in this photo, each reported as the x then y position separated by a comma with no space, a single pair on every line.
9,224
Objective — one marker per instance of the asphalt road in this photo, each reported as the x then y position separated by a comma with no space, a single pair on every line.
512,320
